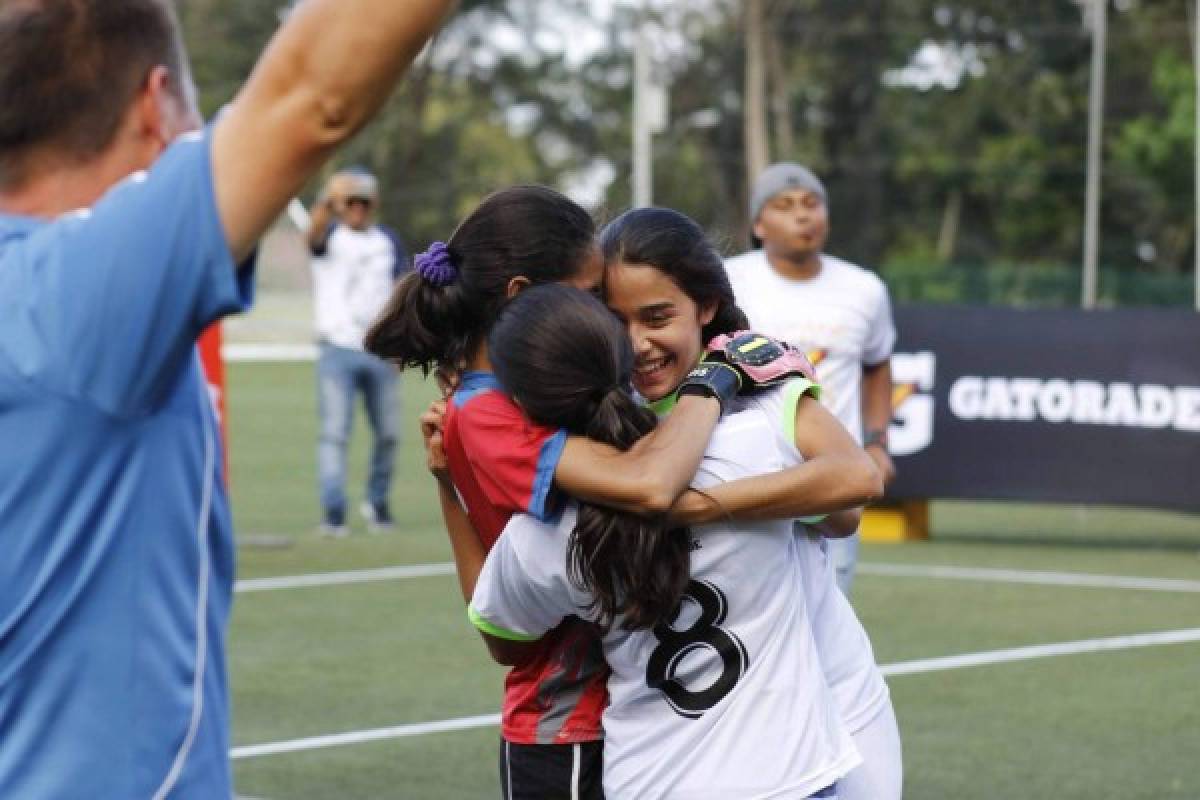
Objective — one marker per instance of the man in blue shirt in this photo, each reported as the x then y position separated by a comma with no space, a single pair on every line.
120,227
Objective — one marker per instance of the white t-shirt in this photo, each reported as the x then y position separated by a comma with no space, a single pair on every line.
353,276
841,318
843,646
742,709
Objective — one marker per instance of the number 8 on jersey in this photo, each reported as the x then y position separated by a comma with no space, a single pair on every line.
705,633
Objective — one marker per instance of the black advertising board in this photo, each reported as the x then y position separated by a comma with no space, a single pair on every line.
1064,406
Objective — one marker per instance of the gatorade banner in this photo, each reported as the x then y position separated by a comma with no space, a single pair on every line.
1095,407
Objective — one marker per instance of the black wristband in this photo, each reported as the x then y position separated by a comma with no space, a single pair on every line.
713,379
878,436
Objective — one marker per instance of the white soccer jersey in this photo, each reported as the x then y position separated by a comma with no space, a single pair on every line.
730,700
841,318
842,643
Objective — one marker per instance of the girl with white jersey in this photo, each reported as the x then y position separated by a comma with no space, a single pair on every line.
665,281
716,688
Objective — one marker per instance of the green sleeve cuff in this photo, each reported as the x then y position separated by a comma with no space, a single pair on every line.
495,630
793,391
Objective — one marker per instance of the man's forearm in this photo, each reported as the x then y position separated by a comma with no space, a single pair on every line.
319,222
877,416
877,397
326,72
345,56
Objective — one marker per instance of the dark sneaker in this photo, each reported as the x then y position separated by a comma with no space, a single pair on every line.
334,525
329,531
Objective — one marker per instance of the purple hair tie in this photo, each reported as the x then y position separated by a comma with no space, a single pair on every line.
435,266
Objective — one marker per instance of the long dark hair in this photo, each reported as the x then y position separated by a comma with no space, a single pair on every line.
523,230
675,245
566,360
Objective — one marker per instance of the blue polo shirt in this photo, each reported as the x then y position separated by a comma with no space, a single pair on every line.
116,549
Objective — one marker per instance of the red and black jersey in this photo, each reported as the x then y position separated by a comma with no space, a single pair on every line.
502,464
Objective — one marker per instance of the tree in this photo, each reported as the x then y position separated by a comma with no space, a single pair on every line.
944,131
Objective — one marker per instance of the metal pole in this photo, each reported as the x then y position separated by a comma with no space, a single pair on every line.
757,144
643,167
1095,136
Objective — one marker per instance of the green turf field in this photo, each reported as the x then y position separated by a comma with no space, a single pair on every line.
356,658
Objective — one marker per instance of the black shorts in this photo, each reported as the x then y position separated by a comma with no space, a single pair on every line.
551,771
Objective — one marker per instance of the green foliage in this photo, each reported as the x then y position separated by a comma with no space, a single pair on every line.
1155,153
1030,284
979,163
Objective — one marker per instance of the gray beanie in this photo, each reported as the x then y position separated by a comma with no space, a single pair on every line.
778,177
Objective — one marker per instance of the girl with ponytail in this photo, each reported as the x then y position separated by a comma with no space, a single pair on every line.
716,687
570,369
440,313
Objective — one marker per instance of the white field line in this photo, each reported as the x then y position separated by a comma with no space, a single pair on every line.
867,568
341,578
357,737
1105,645
917,667
1030,577
278,353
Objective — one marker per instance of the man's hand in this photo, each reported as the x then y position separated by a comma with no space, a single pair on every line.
333,196
883,461
432,434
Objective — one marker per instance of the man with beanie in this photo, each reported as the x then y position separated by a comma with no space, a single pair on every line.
836,312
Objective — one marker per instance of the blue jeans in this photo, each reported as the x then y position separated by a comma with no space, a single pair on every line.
341,372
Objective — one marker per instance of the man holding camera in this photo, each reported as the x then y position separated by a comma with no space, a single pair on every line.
355,264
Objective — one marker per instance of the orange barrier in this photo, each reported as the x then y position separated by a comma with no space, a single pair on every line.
214,373
896,521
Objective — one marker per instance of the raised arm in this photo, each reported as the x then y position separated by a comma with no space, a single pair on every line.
649,477
325,211
835,476
326,72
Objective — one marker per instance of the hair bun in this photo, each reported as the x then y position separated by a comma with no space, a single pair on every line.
436,266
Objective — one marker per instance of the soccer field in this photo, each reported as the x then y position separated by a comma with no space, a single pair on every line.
1032,652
